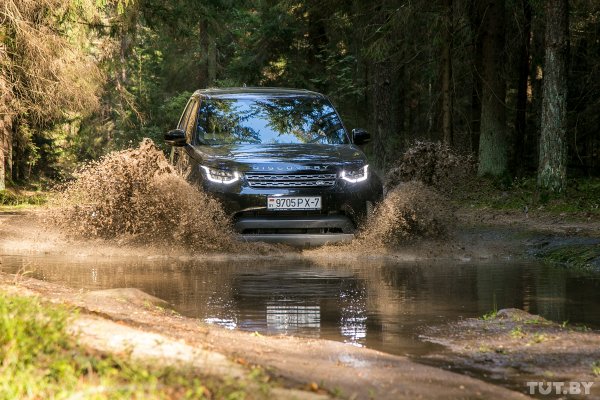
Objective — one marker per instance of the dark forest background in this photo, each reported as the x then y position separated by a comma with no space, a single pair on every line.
513,82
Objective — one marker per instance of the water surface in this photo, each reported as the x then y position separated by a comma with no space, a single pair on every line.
378,304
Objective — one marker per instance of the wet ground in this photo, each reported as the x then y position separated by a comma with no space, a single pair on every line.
380,304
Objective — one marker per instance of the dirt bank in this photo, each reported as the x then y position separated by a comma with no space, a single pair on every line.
513,345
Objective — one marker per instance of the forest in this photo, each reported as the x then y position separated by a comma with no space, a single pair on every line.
511,82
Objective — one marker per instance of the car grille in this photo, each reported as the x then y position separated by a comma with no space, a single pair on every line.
290,181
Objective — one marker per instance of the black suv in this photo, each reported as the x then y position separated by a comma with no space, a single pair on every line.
281,162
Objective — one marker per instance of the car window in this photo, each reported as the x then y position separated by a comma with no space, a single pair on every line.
279,120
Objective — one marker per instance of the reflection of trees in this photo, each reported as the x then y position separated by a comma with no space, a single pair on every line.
220,121
307,120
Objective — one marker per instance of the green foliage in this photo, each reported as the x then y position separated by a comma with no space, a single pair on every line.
172,108
493,313
339,78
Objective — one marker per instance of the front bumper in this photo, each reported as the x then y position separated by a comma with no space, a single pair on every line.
295,223
301,240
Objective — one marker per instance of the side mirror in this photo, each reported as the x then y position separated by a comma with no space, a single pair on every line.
176,137
360,136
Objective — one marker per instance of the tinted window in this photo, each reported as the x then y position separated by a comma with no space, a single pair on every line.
269,121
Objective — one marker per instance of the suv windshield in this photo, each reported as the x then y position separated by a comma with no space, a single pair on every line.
280,120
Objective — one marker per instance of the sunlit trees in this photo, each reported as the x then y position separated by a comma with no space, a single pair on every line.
45,73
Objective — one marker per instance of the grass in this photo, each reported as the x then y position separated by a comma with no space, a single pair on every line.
517,333
581,195
40,360
596,368
539,338
493,313
15,200
490,315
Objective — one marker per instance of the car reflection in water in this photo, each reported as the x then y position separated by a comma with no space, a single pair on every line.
283,318
302,302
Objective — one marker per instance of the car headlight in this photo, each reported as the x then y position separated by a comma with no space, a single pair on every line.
220,175
354,176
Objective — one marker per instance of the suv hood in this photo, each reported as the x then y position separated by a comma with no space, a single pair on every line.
280,157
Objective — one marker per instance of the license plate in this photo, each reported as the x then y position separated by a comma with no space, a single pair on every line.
294,203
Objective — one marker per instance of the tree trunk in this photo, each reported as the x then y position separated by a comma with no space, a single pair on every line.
492,141
5,131
520,155
552,170
476,68
399,105
535,80
2,168
382,110
212,63
204,49
5,147
124,50
447,106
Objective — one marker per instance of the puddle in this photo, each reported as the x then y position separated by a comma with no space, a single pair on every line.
381,305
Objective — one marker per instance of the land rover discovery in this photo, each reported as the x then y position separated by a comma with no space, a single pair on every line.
281,162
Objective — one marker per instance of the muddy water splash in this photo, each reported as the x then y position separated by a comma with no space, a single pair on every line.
434,164
414,206
136,196
410,210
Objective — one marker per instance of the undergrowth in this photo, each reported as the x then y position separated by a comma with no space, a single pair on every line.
584,258
581,195
14,198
